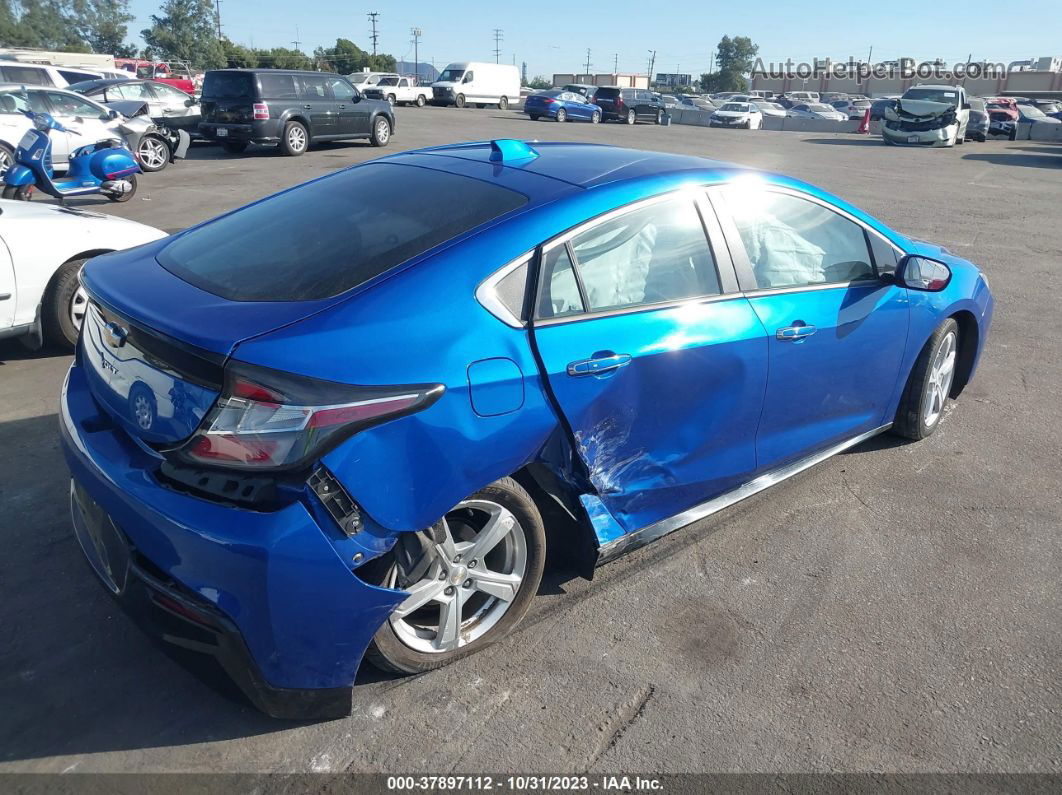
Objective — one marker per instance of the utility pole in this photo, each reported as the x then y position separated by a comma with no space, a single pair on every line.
615,63
497,44
416,33
587,61
374,36
652,63
523,73
297,41
217,16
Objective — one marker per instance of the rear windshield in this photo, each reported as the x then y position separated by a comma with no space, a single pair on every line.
325,237
228,85
608,93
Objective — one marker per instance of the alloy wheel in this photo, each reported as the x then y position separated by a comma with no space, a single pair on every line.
78,304
152,153
473,578
296,138
383,131
941,374
5,161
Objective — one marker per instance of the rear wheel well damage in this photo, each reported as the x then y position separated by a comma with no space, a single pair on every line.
967,355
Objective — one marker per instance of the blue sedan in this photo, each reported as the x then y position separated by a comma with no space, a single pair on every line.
333,424
561,106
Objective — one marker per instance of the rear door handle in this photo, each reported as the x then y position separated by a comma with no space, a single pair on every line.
308,107
601,364
792,333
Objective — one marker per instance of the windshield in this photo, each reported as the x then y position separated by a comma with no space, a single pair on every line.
816,108
933,95
325,237
1031,112
358,77
736,107
228,85
451,75
769,106
388,81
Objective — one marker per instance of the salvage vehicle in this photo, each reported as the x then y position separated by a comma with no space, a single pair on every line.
737,114
927,115
165,103
42,250
398,91
980,123
368,404
561,106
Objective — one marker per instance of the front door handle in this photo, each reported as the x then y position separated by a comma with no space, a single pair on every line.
599,364
308,107
794,333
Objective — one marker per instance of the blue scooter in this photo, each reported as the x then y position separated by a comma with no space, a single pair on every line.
105,167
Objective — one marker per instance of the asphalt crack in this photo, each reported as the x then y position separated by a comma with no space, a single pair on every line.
612,729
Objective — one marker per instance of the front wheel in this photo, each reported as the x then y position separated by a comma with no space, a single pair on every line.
381,132
459,101
124,197
421,101
391,100
7,158
503,103
534,116
660,117
929,385
470,581
632,117
295,140
596,117
63,308
562,115
22,193
152,153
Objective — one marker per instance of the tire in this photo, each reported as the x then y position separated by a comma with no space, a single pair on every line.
63,307
392,100
153,154
660,117
124,197
7,157
534,116
562,115
503,103
235,147
295,140
381,131
595,118
421,102
459,101
632,117
929,385
22,193
403,645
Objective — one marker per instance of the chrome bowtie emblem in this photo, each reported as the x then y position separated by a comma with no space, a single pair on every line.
115,334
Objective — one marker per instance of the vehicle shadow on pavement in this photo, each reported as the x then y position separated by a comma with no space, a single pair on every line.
15,351
1050,158
872,140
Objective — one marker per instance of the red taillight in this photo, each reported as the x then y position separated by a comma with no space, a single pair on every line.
261,111
294,419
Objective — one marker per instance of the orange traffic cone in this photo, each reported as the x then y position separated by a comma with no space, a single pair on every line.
864,126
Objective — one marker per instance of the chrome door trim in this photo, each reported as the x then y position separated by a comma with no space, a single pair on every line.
631,310
486,292
613,549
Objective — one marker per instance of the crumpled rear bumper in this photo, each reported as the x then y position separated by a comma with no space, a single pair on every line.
264,593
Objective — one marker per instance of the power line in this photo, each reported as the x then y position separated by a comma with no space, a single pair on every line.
497,44
374,36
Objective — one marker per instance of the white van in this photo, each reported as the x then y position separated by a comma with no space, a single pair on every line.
36,74
803,96
476,82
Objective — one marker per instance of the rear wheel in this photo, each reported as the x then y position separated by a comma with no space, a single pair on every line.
7,158
660,117
534,116
562,115
63,308
476,574
421,101
234,147
503,103
929,385
22,193
632,117
295,140
381,132
152,153
391,100
596,117
124,197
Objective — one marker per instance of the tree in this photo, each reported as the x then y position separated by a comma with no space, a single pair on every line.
47,24
237,56
383,63
734,57
186,30
539,83
283,58
344,58
102,23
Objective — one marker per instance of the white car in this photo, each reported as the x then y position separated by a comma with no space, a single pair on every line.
927,115
737,114
816,110
769,108
88,121
35,74
42,249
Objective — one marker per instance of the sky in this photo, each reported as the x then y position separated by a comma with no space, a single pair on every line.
554,36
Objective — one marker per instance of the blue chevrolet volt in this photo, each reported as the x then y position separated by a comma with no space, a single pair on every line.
328,425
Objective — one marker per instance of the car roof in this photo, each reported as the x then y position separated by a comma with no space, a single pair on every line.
581,165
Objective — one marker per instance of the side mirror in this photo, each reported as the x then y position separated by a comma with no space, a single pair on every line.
108,115
189,102
966,106
916,272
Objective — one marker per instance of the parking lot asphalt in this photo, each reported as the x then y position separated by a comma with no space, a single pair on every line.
896,608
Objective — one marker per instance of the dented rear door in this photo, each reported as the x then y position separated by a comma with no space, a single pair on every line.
658,365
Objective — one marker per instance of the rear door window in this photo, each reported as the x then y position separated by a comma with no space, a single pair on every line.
315,87
325,237
26,75
72,77
276,86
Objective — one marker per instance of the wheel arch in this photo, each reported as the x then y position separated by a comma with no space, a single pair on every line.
969,343
300,118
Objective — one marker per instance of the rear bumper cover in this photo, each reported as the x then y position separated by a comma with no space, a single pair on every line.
290,620
259,132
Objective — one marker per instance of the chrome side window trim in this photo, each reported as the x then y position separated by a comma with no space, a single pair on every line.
637,308
807,288
487,295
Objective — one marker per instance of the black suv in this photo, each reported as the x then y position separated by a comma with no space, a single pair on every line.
629,104
289,108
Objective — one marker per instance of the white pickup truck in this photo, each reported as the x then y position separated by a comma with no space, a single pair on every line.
399,91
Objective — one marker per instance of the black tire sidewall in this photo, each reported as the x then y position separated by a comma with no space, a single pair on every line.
910,419
124,197
389,653
375,138
562,115
286,148
165,159
59,329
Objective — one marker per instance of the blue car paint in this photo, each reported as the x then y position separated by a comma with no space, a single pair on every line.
536,105
287,578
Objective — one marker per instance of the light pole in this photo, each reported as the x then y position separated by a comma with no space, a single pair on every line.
416,58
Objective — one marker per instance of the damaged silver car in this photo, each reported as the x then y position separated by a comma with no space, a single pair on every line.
927,116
